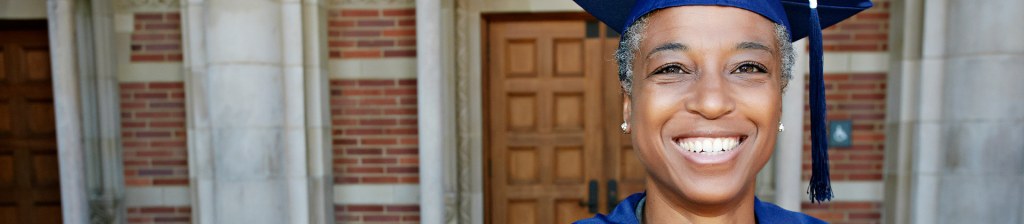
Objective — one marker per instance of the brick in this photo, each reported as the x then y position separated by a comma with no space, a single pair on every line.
364,208
379,161
412,169
170,181
360,13
365,170
375,43
340,43
139,37
400,53
402,208
360,33
407,82
382,122
375,23
363,151
340,24
377,102
407,22
399,12
149,17
399,33
409,151
376,82
147,57
164,26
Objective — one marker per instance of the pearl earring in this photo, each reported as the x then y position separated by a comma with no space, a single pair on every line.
625,127
782,127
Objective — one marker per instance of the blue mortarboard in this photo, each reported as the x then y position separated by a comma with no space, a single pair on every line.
802,18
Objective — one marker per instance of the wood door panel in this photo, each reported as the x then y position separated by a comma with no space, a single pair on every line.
5,117
6,171
37,63
522,58
543,147
3,64
568,57
553,114
29,175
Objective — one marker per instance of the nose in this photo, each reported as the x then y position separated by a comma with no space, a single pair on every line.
710,99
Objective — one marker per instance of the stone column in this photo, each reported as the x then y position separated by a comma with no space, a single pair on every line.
788,157
958,155
256,101
67,110
434,112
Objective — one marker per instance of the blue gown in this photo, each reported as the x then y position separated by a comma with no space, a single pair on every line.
764,212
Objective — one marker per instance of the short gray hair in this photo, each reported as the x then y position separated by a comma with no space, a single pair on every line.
630,44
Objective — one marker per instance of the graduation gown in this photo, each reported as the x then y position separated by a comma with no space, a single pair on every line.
764,213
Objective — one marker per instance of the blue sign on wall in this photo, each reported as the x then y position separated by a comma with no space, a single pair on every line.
840,133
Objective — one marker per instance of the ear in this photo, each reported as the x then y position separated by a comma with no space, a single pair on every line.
627,113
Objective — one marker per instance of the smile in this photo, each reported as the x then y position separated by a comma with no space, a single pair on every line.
708,146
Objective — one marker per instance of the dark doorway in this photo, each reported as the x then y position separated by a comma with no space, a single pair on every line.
29,177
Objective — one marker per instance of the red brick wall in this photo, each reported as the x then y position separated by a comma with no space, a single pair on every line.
377,213
153,133
866,31
157,37
845,212
374,131
143,215
861,99
375,142
372,33
154,144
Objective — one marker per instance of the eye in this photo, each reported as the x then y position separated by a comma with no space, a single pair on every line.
750,67
671,69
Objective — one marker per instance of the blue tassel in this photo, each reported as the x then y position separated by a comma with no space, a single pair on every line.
820,188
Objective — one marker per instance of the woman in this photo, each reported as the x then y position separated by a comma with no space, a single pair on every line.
703,83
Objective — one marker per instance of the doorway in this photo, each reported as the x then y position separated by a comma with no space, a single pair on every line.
29,177
553,149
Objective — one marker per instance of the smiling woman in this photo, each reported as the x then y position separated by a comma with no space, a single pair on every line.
703,99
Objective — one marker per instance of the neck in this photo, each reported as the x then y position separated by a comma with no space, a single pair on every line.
663,206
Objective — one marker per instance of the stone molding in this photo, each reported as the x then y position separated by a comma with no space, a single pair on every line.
373,4
146,5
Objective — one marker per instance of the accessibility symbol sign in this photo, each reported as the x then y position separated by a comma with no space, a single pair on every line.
840,133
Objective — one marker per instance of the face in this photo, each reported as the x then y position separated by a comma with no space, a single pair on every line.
706,101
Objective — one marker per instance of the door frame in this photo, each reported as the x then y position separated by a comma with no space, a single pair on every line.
87,110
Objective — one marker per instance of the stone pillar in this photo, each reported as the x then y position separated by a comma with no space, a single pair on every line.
67,110
788,159
958,152
255,91
433,112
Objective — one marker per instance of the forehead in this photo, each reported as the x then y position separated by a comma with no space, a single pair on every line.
709,24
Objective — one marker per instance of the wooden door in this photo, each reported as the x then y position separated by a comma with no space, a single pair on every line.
553,109
29,179
545,121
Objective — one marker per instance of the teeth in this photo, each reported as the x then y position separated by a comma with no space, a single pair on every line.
711,146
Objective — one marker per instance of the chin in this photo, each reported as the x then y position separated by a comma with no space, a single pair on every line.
722,177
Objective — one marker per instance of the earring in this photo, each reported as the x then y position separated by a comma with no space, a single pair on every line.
782,127
625,127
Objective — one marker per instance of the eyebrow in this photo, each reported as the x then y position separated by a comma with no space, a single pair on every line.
667,47
754,46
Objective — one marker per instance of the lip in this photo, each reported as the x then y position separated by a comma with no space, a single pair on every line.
705,159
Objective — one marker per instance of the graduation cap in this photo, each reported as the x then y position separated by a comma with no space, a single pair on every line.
801,18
